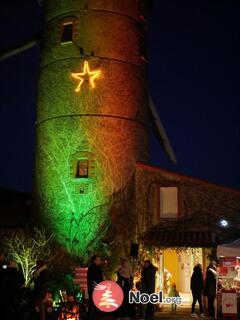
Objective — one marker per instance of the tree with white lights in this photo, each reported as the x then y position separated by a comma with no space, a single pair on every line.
26,250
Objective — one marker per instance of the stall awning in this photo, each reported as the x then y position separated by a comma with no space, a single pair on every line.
186,239
197,230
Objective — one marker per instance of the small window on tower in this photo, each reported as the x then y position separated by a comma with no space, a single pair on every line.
143,48
82,169
67,32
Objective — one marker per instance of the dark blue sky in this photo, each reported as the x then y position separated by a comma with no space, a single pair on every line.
193,75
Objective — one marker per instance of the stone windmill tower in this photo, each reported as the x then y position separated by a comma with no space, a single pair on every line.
92,119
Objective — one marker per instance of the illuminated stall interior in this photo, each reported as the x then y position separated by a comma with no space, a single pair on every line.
175,265
178,267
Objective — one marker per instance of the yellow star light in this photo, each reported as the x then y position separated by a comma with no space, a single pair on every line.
86,75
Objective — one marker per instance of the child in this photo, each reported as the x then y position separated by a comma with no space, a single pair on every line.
173,293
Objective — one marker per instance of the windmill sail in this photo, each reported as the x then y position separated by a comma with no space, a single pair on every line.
19,48
161,132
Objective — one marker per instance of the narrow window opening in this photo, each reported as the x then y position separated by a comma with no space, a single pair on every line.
143,41
82,169
67,32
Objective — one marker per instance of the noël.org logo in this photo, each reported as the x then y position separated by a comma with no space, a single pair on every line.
108,297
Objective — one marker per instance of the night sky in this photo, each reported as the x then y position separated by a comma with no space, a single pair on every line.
194,50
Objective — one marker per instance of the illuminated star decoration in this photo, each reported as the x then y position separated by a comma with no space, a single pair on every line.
86,74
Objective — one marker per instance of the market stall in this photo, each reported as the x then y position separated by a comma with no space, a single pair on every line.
228,284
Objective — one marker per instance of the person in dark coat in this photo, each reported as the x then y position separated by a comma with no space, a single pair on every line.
197,287
148,286
210,287
11,281
41,287
41,280
94,276
125,281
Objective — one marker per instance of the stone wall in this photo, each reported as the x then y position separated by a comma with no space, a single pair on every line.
196,197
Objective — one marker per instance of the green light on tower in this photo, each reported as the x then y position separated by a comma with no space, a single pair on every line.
92,111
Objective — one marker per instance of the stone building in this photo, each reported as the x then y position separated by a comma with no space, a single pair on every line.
181,220
16,214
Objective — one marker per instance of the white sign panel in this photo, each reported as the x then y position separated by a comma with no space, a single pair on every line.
229,303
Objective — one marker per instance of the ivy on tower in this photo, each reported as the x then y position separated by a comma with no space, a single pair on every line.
92,120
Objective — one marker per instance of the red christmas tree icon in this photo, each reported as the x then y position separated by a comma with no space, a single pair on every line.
107,299
107,296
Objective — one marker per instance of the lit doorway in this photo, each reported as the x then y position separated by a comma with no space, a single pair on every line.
177,267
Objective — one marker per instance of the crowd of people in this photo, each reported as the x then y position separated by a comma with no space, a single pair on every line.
199,288
18,302
125,281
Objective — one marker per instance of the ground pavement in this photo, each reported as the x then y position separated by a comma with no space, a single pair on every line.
181,314
166,314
